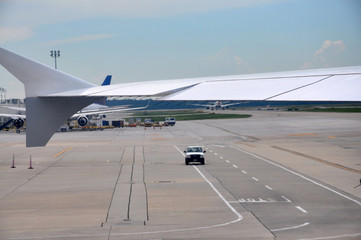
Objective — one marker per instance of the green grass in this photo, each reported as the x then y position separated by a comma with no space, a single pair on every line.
159,116
211,116
341,110
166,113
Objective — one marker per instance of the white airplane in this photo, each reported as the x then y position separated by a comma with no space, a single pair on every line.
94,109
217,105
55,96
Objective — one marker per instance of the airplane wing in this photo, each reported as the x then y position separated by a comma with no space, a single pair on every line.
107,110
231,104
22,109
201,105
56,96
12,116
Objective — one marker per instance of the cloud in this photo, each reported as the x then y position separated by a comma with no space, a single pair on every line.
84,38
226,62
242,64
329,55
329,48
14,34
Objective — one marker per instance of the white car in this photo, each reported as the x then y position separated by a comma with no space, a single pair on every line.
169,121
194,154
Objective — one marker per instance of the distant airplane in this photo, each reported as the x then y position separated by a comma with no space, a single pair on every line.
56,96
82,116
218,105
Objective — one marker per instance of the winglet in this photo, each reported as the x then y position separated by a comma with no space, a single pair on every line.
44,114
39,79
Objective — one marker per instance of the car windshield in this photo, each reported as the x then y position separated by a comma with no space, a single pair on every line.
194,149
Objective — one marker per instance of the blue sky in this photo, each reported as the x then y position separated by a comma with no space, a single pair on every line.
162,39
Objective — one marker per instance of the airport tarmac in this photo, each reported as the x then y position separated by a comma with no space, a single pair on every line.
276,175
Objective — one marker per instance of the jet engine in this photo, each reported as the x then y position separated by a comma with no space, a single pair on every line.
18,123
83,121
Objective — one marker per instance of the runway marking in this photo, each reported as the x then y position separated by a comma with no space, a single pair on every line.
288,228
268,187
239,218
297,174
59,153
244,172
258,200
130,233
221,146
333,237
235,166
227,161
301,209
256,179
287,200
216,154
220,157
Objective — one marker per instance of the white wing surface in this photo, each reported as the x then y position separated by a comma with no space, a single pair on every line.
338,84
343,84
56,96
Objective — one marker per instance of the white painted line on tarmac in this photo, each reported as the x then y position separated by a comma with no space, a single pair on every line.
256,179
126,234
286,199
258,200
288,228
297,174
235,166
220,157
216,154
240,217
227,161
268,187
244,172
301,209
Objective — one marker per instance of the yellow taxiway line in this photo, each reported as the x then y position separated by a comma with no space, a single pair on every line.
62,152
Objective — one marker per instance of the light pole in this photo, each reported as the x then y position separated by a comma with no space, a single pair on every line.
2,95
55,54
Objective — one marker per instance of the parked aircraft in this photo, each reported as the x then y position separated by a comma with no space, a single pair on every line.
56,96
217,105
82,116
18,119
